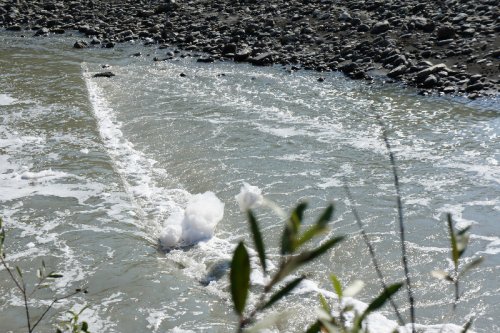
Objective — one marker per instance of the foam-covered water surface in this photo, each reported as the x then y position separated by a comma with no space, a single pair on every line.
127,184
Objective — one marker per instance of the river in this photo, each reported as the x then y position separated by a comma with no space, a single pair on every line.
91,170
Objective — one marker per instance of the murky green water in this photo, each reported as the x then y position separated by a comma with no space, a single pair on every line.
91,169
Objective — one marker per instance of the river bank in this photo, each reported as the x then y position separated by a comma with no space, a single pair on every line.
450,47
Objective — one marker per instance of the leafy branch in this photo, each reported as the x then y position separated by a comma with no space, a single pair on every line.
44,280
292,258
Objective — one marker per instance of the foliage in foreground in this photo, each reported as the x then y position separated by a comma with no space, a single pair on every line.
329,319
334,320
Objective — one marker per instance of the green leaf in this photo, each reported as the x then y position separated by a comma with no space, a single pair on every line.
377,303
325,217
307,256
297,216
283,292
454,249
337,286
473,264
287,240
293,263
324,303
383,297
314,328
85,326
291,230
317,228
19,272
240,278
257,238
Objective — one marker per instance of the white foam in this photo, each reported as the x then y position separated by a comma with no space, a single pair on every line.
249,197
44,174
196,223
6,100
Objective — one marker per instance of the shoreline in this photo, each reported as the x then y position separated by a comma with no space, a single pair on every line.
449,47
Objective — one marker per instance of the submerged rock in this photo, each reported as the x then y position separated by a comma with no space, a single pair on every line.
104,74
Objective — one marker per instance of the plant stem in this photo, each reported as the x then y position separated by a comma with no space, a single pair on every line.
52,304
22,288
404,258
371,250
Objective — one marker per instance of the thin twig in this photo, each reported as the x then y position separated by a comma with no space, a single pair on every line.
404,258
11,274
52,304
371,250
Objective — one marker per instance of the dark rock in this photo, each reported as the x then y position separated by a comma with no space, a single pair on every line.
494,54
262,59
380,27
42,32
425,25
349,67
397,72
182,75
363,28
229,48
430,81
80,44
104,74
14,28
445,32
474,87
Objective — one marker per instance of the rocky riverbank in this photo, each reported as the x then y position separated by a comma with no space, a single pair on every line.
445,46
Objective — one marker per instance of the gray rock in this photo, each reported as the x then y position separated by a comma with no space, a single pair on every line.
430,81
397,72
424,73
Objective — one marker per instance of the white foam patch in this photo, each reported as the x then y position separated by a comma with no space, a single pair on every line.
249,197
196,223
6,100
44,175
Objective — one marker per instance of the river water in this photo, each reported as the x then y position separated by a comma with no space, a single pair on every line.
91,169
